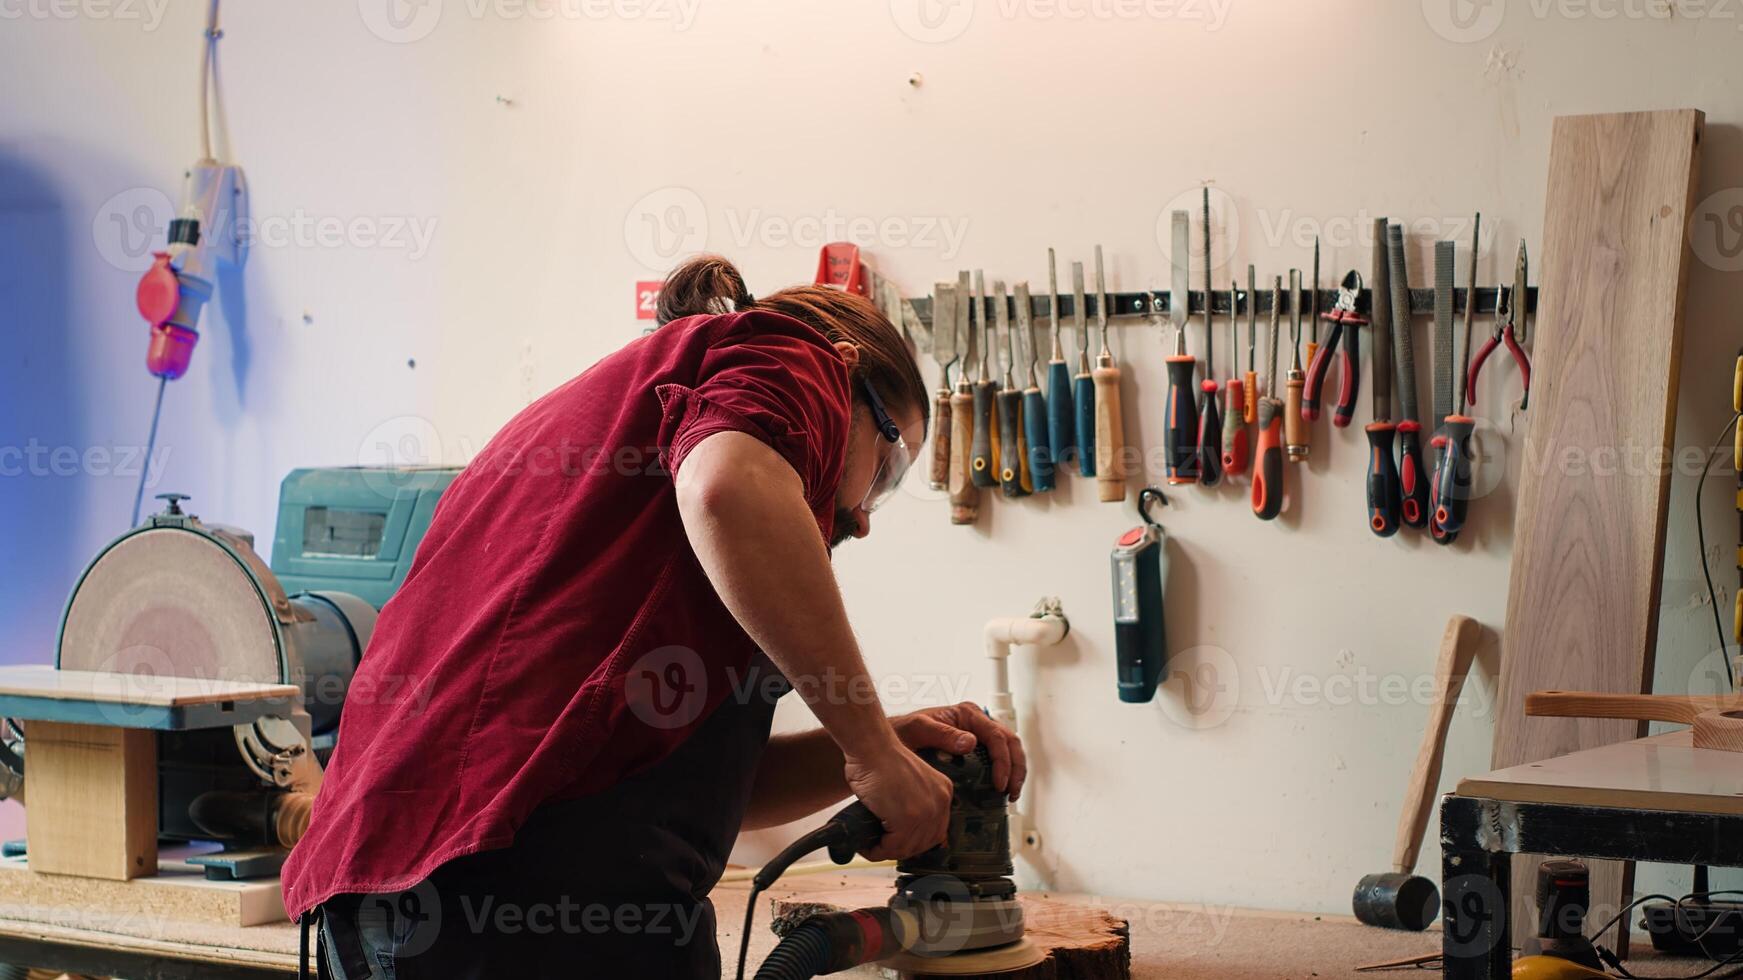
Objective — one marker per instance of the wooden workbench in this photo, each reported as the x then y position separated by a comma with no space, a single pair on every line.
1170,941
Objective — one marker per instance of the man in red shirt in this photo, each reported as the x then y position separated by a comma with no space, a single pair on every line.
562,720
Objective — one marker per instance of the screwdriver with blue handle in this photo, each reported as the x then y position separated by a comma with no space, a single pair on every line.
1061,420
1040,461
1083,392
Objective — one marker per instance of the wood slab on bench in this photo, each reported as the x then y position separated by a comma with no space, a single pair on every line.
1074,939
125,700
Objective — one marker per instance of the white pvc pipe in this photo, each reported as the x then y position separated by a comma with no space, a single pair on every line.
1046,627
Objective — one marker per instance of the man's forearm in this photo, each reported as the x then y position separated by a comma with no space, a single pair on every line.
745,514
800,773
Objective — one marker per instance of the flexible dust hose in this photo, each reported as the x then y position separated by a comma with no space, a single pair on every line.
835,941
850,831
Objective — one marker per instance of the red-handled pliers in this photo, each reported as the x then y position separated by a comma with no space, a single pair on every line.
1341,315
1506,333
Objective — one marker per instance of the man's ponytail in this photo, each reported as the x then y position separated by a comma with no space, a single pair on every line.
704,284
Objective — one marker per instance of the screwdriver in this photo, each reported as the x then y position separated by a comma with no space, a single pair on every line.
1313,311
1110,429
1294,426
1210,425
1182,409
1040,459
964,495
1060,435
985,446
1009,401
1412,480
1442,367
1453,490
1268,466
1234,418
1083,392
1383,502
1250,412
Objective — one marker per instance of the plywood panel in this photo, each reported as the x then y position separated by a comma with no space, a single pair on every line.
1582,610
1664,772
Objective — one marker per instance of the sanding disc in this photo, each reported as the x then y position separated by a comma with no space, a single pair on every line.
171,602
1019,955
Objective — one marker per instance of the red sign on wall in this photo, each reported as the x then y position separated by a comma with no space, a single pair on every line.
647,298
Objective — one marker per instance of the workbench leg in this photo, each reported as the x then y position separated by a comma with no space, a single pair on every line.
1476,939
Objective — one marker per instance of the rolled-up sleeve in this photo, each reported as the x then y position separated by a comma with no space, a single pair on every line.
775,379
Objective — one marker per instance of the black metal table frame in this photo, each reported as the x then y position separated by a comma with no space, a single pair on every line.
1479,836
135,964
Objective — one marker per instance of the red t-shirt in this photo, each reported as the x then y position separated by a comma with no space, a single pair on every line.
556,632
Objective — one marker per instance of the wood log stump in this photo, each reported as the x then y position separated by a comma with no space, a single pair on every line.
1075,941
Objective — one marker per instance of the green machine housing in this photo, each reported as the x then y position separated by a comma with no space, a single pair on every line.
354,528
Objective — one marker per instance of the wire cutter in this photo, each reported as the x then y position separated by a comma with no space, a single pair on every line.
1342,314
1507,328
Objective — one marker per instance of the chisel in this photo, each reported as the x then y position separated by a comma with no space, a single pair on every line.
1268,460
1061,437
1110,430
1234,414
1251,411
1294,425
1009,401
1040,460
986,450
1383,503
944,352
1441,367
964,495
1182,406
1412,480
1453,490
1083,390
1210,425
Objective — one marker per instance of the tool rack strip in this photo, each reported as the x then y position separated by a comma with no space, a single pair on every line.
1156,303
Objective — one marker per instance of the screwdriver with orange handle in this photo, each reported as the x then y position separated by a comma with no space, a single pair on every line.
1295,444
1268,459
1250,410
964,495
1234,418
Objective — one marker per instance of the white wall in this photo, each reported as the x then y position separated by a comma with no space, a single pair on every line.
736,123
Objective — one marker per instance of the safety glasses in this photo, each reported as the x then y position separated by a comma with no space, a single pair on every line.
896,459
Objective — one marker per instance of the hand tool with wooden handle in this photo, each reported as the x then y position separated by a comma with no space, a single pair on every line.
1441,367
1182,420
1039,475
964,495
1401,899
1383,498
1453,489
1234,417
986,453
1009,401
1412,478
1251,410
1210,426
1083,384
1267,494
1294,424
1061,417
1110,430
944,352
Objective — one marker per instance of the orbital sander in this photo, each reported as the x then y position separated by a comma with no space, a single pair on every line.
957,898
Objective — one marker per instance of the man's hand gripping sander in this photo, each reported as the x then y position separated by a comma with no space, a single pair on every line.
954,898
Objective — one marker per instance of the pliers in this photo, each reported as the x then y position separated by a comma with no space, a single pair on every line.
1507,327
1344,312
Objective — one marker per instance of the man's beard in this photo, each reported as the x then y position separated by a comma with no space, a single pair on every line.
845,525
